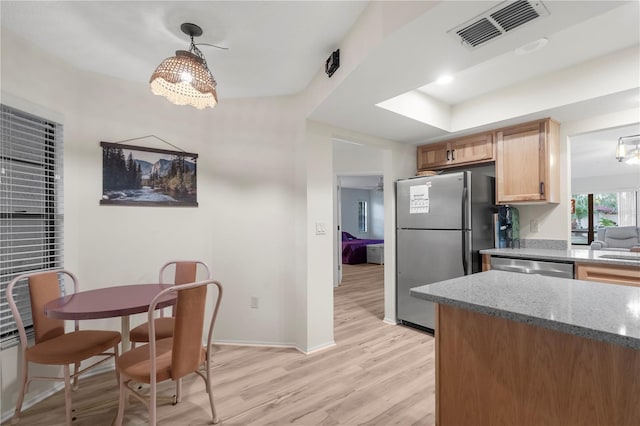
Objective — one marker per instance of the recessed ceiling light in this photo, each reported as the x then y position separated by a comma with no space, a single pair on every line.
445,79
532,47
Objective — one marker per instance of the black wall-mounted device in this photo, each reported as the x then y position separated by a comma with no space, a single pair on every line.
333,63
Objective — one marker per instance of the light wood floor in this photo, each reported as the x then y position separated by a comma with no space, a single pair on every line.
377,374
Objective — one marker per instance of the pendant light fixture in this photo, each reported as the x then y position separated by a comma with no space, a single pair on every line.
185,79
628,149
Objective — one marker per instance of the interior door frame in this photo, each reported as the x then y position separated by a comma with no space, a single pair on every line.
337,276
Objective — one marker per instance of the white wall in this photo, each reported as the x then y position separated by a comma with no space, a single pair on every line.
398,162
319,256
603,184
265,179
376,214
360,162
375,210
352,160
349,207
357,161
248,193
564,87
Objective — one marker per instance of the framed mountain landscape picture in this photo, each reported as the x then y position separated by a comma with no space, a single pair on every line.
140,176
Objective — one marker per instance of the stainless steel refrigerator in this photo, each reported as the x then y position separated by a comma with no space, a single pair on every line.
442,222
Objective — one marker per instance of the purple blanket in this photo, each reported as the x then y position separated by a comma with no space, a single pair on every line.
354,250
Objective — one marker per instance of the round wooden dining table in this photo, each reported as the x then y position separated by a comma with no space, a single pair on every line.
109,302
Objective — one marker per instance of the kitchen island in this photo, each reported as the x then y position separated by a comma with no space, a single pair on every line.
518,349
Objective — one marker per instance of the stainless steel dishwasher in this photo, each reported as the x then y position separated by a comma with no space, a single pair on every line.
527,266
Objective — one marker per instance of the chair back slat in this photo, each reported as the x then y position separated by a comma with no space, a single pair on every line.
44,288
187,331
185,272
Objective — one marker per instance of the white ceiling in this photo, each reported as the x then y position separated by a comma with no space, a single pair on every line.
274,48
278,48
594,154
418,53
574,33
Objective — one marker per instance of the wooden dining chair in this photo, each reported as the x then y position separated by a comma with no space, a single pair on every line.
174,357
54,346
185,272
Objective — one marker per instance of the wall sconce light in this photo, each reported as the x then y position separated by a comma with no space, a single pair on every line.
185,79
628,149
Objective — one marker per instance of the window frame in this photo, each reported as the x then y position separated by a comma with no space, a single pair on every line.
592,226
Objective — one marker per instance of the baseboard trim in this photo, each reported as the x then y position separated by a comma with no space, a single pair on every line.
33,400
318,348
275,345
389,321
254,344
55,387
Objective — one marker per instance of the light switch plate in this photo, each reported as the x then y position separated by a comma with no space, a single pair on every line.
321,228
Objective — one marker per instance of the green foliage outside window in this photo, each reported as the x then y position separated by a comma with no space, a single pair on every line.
607,222
582,208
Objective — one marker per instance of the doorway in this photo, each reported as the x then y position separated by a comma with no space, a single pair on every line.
359,216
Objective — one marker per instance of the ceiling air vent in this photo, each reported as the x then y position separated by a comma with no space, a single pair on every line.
497,21
514,15
479,32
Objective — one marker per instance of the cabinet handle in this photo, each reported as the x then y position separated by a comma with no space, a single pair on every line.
453,157
541,188
447,155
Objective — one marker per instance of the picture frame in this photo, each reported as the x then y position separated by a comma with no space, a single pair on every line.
141,176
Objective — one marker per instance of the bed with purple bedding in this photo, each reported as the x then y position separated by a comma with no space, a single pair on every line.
354,250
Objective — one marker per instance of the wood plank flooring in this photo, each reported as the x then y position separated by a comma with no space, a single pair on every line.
377,374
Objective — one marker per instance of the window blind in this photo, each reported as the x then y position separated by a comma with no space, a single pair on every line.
31,206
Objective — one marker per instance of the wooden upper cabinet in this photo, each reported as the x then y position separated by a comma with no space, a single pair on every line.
527,167
472,149
432,157
468,150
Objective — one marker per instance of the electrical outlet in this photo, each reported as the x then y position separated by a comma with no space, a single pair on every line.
534,226
254,302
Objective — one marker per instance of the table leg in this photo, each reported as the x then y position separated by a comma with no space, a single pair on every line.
124,330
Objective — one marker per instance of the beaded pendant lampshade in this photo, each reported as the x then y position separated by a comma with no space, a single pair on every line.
185,79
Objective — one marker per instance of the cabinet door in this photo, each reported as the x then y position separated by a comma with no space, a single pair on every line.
486,262
477,148
626,275
520,163
431,157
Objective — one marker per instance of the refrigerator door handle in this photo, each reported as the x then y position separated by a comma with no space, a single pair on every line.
466,241
464,209
465,263
466,252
